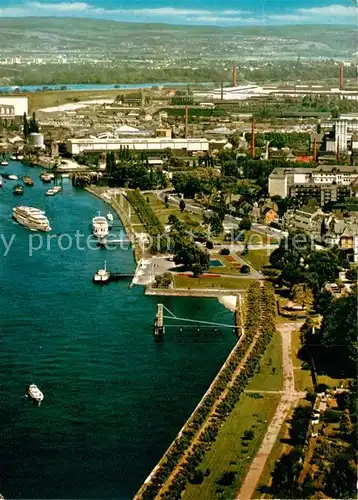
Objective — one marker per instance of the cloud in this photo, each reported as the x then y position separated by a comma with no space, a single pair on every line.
226,17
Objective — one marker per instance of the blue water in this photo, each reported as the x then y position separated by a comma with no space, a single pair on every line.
216,263
94,86
114,398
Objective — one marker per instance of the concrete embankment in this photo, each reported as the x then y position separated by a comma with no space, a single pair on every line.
184,292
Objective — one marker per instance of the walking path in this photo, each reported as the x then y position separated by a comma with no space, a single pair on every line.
289,397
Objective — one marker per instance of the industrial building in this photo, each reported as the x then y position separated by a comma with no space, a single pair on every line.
12,107
77,146
325,183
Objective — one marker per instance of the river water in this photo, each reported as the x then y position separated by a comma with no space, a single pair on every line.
114,398
96,86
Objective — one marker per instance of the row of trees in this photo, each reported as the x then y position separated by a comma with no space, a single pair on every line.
149,220
260,311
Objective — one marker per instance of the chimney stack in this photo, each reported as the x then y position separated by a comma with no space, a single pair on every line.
234,76
314,149
253,139
341,76
222,90
186,123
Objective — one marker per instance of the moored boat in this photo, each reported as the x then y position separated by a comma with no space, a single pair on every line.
102,276
31,217
100,227
35,394
18,190
47,177
110,216
50,192
28,181
13,177
4,163
0,181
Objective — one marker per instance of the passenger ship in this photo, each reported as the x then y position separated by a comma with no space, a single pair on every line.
100,227
31,217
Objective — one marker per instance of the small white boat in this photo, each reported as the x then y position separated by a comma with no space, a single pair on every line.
20,157
0,181
4,163
57,189
50,192
13,177
110,216
13,158
102,276
35,394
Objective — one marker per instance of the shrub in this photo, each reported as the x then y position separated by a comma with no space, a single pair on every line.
224,251
209,245
245,269
227,478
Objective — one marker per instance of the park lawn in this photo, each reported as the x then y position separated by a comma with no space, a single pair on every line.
257,258
159,208
270,377
188,282
254,238
228,453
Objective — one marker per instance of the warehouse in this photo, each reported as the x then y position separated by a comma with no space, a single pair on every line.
77,146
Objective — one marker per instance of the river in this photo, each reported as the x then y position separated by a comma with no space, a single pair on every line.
96,86
114,398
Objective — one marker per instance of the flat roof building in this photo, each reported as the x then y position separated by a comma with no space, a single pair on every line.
77,146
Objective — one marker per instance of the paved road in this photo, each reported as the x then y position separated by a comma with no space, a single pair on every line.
289,398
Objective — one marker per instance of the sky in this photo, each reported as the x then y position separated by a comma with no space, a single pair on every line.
193,12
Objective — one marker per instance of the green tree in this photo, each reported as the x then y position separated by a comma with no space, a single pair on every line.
345,424
341,481
245,224
182,205
339,331
302,294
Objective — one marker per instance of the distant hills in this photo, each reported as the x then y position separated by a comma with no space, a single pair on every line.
41,36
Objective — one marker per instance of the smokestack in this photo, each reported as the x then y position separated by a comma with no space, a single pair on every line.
314,149
234,76
222,90
253,139
341,77
186,122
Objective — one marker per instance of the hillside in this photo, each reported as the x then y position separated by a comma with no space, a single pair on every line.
43,36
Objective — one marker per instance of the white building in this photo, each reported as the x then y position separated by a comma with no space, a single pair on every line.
77,146
20,104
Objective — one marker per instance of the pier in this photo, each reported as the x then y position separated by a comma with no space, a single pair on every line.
159,327
120,276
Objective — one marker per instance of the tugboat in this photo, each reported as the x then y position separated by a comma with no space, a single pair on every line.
102,276
35,394
18,190
28,181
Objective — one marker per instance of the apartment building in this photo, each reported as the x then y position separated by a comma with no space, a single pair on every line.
324,183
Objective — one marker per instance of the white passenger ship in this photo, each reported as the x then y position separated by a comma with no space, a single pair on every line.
100,227
31,217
